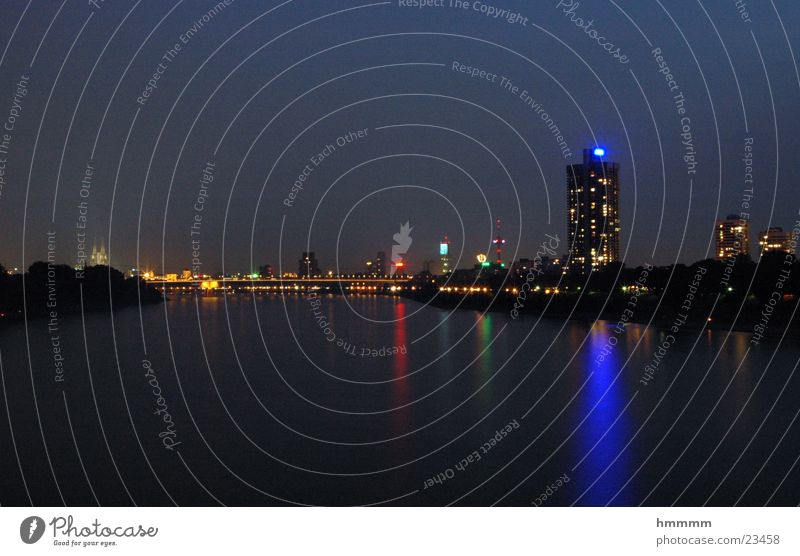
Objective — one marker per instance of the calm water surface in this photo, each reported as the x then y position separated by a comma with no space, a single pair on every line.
374,399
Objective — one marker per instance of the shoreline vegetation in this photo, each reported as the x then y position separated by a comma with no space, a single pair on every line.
648,312
739,295
760,299
54,289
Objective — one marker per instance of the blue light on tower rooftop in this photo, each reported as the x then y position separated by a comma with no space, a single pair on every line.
599,151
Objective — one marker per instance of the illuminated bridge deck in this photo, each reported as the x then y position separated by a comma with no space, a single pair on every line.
382,285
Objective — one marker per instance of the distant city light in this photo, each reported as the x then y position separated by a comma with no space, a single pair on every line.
481,258
599,152
443,249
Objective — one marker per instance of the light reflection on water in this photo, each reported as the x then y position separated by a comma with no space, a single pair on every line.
606,430
400,421
452,405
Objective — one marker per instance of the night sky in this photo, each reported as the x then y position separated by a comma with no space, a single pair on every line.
262,87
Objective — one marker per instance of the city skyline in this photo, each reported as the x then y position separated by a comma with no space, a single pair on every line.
593,231
775,238
408,253
147,216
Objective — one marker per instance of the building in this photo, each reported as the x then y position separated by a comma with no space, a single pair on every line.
399,266
775,240
99,256
308,265
499,242
539,265
266,271
444,256
593,220
733,237
379,265
186,274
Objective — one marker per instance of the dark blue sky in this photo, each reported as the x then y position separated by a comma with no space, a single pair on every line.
455,152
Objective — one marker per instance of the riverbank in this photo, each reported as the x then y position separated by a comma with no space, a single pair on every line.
727,314
48,291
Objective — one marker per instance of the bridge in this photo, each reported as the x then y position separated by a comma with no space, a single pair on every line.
286,285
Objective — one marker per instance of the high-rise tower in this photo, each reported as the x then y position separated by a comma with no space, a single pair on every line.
593,220
499,241
733,237
444,255
776,240
379,265
308,266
